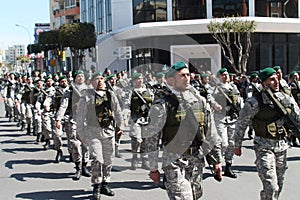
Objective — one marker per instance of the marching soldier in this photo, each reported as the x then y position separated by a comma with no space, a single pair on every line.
48,111
9,96
77,143
98,109
188,134
140,102
270,144
26,105
227,95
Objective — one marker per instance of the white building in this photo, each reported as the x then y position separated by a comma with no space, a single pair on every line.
166,31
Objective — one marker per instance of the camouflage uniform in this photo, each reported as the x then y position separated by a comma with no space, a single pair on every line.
9,97
77,144
184,149
95,125
270,143
139,119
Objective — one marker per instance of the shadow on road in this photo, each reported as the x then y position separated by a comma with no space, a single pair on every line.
13,141
40,175
11,163
136,185
15,150
57,194
10,135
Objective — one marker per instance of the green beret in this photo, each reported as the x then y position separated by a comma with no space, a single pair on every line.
253,75
110,76
276,68
48,77
292,73
95,75
78,72
136,75
222,70
160,75
175,68
62,77
204,75
266,73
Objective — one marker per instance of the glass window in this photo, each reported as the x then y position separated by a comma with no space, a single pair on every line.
266,55
83,10
293,57
149,11
229,8
280,56
276,8
108,16
100,17
91,11
189,9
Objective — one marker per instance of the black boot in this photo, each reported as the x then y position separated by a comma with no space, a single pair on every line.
96,192
28,128
23,126
47,144
106,190
38,135
228,171
85,171
145,164
77,174
70,158
59,154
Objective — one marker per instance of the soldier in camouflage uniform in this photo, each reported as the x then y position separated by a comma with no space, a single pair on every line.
98,109
227,116
270,144
189,133
48,112
36,100
140,102
77,143
9,96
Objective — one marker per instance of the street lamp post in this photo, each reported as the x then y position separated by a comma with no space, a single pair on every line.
18,25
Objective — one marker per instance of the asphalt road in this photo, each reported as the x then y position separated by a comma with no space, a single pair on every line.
28,172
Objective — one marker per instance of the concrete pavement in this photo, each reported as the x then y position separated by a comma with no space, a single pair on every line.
28,172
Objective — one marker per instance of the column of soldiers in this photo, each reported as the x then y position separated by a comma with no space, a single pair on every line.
189,117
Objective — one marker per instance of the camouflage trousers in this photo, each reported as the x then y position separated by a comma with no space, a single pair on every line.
184,178
271,167
226,132
101,150
37,121
48,124
77,146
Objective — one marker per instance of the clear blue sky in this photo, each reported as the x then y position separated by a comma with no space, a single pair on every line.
22,12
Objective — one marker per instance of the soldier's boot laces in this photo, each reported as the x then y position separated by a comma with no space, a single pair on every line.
106,190
228,171
96,192
78,172
145,164
85,170
59,155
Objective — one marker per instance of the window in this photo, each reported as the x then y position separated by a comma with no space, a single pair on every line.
108,16
189,9
149,11
229,8
100,17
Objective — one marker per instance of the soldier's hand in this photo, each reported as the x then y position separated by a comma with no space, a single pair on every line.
218,171
58,124
237,151
217,107
155,176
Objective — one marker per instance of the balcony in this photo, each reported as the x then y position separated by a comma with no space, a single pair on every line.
67,12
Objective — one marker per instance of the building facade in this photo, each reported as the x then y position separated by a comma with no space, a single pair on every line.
159,32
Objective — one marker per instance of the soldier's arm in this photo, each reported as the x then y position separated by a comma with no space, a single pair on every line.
64,103
117,111
245,118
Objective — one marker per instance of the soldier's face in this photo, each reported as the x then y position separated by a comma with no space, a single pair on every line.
272,82
98,82
63,83
79,79
224,77
181,80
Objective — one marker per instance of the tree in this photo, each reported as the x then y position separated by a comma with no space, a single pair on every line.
78,36
234,37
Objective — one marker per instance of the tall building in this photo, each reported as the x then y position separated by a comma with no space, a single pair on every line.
158,32
13,52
